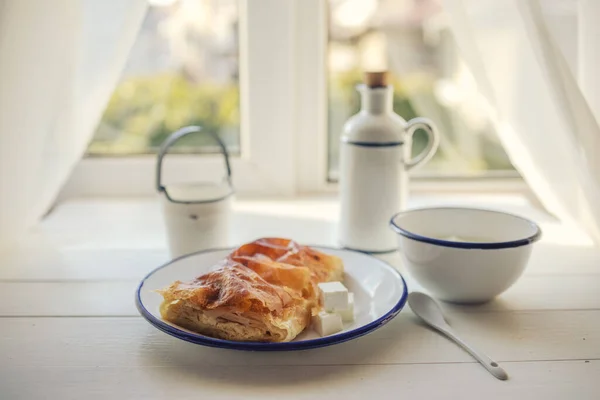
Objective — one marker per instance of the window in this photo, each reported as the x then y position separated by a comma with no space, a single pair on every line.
277,87
224,64
411,40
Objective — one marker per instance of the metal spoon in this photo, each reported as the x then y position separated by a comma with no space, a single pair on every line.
429,311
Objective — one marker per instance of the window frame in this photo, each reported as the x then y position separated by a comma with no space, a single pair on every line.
266,108
280,91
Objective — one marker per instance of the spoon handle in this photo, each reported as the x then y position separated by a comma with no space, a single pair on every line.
487,362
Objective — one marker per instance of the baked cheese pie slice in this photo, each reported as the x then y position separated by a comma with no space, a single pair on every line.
263,291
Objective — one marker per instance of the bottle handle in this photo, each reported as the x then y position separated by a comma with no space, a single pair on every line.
433,141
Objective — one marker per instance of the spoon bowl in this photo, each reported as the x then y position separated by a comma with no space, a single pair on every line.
427,309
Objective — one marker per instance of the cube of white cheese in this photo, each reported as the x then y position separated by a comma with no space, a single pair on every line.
348,314
326,323
334,296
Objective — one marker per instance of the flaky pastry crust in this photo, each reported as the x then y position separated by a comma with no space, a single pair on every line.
263,291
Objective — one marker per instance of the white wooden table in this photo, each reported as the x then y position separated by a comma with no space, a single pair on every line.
69,328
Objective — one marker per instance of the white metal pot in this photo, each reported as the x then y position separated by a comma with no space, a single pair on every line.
197,215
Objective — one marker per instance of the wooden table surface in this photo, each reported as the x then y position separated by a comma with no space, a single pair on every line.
69,328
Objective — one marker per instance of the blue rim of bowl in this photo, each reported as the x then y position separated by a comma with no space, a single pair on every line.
467,245
278,346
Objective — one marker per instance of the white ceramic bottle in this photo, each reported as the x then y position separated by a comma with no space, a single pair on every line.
375,156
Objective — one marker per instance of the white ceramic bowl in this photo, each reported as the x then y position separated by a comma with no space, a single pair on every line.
464,255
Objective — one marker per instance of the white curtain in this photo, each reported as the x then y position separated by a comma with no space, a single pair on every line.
546,119
59,62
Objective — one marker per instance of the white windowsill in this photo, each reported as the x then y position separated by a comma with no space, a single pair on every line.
136,223
124,238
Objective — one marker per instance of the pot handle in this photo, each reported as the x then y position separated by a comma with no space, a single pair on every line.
174,137
433,141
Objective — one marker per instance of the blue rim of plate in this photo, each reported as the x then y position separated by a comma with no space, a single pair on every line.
260,346
467,245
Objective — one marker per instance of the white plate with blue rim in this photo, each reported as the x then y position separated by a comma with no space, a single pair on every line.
379,290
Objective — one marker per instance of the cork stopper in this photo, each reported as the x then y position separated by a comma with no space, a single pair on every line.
376,79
